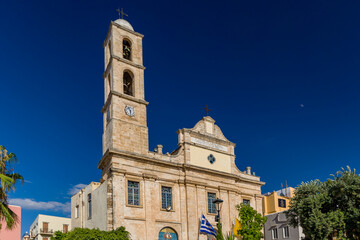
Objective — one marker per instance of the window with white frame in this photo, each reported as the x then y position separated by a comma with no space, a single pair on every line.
166,197
133,193
286,232
89,206
274,233
211,204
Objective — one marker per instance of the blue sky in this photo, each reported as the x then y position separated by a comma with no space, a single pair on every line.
281,78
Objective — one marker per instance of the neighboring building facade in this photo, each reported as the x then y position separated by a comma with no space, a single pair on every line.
277,201
155,194
45,226
277,227
14,233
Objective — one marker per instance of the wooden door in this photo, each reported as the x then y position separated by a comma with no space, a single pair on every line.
45,227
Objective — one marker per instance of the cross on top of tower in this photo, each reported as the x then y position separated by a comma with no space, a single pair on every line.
121,13
206,108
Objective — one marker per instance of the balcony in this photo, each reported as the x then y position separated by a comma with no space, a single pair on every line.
33,235
46,231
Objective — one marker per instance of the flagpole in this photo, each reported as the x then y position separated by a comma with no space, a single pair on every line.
233,228
199,227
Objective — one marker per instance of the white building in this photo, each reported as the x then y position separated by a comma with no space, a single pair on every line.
45,226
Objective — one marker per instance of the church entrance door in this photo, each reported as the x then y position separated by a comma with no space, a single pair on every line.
167,234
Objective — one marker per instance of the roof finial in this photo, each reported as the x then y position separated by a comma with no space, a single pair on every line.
207,110
121,13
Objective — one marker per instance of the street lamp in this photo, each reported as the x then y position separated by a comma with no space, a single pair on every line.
218,203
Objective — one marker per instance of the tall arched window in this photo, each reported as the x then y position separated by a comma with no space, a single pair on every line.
168,233
126,49
128,83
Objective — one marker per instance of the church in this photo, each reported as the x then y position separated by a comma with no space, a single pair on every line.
152,194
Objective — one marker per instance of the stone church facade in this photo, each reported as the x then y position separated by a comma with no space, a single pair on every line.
156,195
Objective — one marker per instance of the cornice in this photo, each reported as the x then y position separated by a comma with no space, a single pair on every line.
107,69
108,100
181,166
201,135
126,29
112,23
127,62
209,148
128,97
118,94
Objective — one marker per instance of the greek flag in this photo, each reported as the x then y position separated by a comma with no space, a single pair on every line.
206,227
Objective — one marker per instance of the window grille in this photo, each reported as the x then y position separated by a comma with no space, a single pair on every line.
211,205
166,197
133,193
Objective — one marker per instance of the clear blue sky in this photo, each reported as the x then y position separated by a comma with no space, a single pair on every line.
281,78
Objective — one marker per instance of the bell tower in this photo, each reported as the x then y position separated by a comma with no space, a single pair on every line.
124,110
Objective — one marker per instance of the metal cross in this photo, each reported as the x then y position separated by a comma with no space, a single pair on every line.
207,110
121,13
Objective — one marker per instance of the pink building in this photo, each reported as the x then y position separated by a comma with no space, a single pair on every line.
14,234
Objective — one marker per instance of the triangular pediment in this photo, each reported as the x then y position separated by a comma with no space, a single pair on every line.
207,126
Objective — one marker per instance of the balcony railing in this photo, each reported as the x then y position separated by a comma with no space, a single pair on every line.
46,231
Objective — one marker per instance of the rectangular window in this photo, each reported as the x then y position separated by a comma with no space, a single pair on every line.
133,193
211,205
286,232
282,203
65,228
166,197
108,115
274,233
77,211
89,206
246,201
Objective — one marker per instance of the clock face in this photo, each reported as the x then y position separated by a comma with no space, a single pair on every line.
129,110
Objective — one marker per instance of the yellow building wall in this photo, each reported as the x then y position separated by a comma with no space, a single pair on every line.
271,202
199,157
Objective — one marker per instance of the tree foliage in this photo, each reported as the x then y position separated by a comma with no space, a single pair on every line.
92,234
219,235
8,178
328,209
252,222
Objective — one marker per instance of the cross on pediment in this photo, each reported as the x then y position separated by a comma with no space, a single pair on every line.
206,108
121,13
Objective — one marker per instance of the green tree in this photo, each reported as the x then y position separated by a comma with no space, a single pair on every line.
8,178
92,234
328,209
252,222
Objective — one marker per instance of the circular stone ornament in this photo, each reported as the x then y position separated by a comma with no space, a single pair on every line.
211,158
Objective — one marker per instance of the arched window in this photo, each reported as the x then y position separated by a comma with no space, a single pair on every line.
168,233
128,83
126,49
